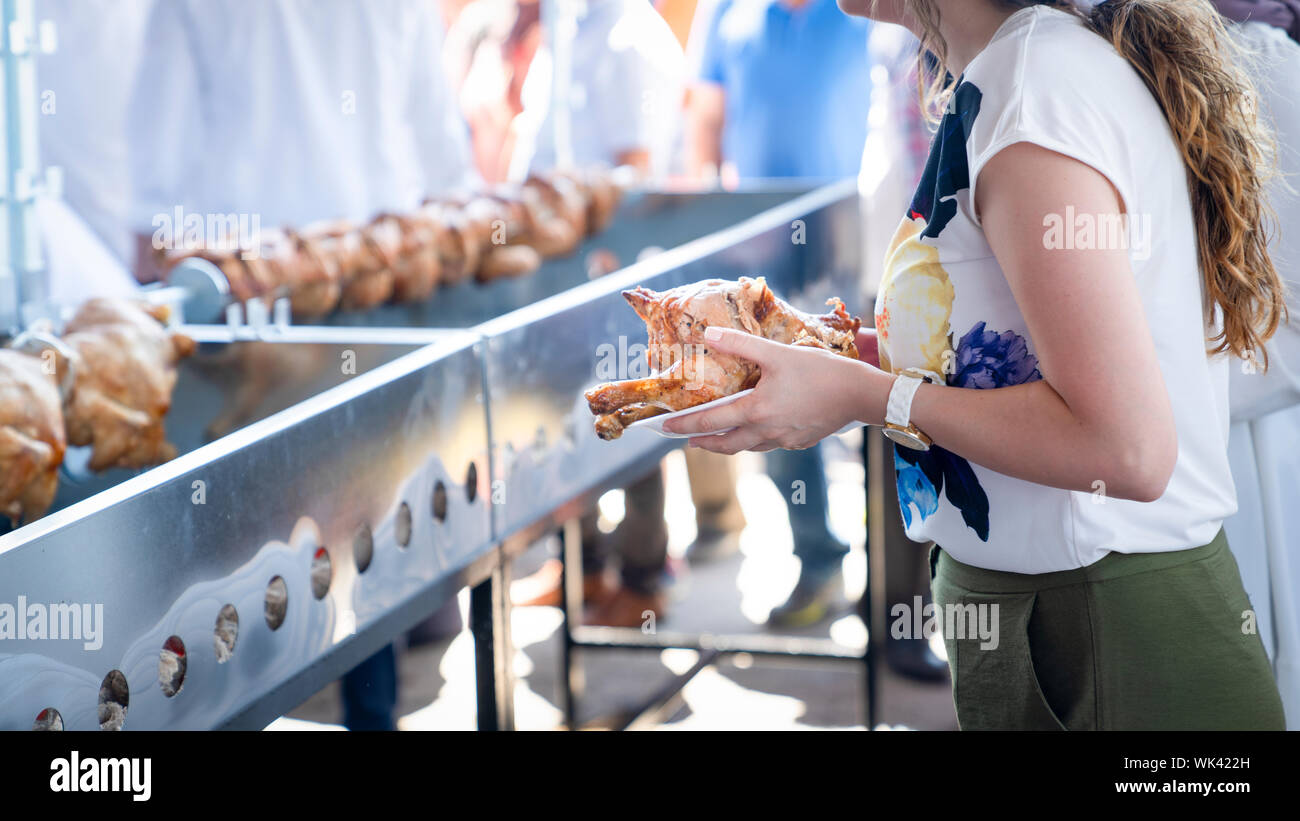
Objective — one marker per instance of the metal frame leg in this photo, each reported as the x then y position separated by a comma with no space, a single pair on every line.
874,453
571,609
489,614
712,647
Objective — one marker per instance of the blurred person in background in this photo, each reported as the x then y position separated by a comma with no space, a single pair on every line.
84,88
489,48
292,111
624,101
1264,440
782,88
295,111
679,14
624,109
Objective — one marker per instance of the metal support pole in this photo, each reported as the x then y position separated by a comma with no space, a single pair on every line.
489,615
24,292
571,608
874,452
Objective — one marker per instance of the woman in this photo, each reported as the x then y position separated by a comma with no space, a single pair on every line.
1058,384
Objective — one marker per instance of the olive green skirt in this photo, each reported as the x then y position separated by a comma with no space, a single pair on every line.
1145,641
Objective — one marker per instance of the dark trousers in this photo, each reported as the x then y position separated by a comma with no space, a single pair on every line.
641,540
370,693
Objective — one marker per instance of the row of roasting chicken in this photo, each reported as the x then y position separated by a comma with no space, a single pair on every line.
109,384
505,231
106,383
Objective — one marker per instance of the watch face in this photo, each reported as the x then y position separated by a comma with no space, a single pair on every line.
906,438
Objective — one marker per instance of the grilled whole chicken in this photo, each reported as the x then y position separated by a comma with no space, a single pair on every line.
560,215
501,231
360,257
458,249
415,262
125,368
32,441
685,372
313,282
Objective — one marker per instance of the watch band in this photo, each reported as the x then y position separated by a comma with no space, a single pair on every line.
898,410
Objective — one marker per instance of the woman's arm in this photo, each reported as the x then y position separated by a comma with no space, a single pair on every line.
1102,412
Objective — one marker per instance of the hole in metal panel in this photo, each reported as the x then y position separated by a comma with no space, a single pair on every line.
277,602
171,666
440,501
363,547
471,482
402,527
114,698
226,633
48,720
321,573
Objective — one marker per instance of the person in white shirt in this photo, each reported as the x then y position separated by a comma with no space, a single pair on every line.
287,112
84,89
291,111
624,101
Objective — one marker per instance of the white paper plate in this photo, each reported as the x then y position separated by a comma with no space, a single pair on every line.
656,423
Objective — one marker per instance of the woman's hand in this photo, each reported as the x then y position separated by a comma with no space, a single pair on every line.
804,395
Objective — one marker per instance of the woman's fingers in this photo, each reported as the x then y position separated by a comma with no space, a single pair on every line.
731,443
711,421
756,349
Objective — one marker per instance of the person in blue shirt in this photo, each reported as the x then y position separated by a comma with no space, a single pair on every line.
782,88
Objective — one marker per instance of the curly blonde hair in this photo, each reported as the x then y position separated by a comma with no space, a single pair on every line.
1182,50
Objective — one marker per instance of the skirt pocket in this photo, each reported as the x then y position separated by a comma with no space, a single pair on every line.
993,680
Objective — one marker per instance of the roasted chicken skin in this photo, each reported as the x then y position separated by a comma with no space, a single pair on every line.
32,441
359,255
685,372
415,262
124,361
500,232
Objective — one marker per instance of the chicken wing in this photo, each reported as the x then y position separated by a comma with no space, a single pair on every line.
685,372
124,361
32,441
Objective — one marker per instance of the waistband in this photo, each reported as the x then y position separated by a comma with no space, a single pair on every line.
1110,566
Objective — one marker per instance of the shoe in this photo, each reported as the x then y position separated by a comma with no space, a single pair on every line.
627,608
809,602
712,545
543,589
914,659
